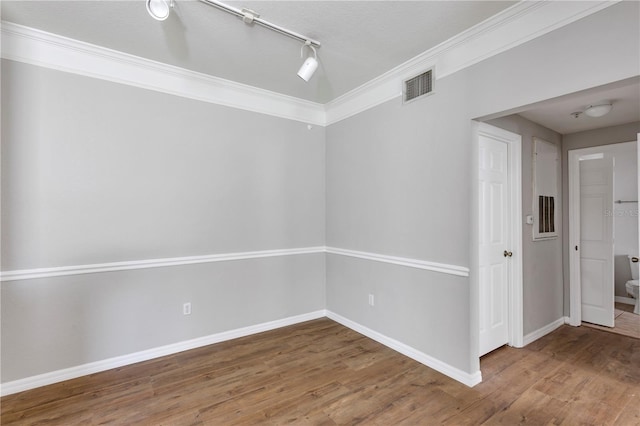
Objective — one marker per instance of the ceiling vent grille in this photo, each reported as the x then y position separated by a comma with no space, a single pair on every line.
418,86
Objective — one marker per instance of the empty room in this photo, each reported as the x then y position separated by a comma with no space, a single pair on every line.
319,212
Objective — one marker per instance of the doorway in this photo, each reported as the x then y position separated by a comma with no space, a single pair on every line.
600,235
499,238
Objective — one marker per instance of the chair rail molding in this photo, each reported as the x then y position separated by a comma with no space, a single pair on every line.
29,274
461,271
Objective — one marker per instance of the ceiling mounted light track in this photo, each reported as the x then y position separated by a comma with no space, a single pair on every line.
160,10
251,17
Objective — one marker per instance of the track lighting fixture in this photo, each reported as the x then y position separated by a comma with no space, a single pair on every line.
159,9
310,64
595,110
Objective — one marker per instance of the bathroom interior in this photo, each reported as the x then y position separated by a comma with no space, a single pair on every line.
625,219
625,234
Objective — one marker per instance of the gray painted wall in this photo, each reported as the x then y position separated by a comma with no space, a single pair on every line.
605,136
399,182
542,259
56,323
111,173
419,308
94,172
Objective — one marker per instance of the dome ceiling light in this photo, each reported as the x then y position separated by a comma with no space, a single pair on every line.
595,111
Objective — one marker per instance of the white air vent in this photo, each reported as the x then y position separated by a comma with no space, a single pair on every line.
418,86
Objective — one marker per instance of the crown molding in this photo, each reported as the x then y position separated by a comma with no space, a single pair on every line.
512,27
36,47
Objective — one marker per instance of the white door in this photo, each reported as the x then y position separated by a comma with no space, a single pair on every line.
494,237
596,240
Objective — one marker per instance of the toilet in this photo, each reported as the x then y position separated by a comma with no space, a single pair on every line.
632,285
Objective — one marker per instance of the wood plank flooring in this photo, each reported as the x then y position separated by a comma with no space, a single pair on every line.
321,373
626,322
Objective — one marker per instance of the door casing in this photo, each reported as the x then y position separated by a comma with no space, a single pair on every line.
575,288
515,297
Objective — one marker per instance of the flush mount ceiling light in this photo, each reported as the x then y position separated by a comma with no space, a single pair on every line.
598,110
160,10
310,64
595,110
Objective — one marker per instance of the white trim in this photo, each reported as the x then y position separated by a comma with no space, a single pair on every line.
469,379
513,26
543,331
575,289
626,300
510,28
57,376
516,280
403,261
28,274
36,47
516,309
15,386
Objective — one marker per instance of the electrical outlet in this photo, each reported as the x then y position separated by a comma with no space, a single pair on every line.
186,308
371,300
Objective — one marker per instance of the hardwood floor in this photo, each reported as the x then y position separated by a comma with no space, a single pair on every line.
626,322
626,307
322,373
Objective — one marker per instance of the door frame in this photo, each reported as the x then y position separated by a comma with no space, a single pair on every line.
515,286
575,287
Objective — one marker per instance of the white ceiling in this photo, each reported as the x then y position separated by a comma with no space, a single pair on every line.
360,39
556,114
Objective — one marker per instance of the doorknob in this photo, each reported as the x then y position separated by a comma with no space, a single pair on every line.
507,254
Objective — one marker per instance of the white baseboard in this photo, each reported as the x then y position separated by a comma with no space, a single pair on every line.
20,385
469,379
543,331
626,300
8,388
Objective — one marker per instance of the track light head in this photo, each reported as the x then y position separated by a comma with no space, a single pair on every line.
159,9
308,68
310,65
